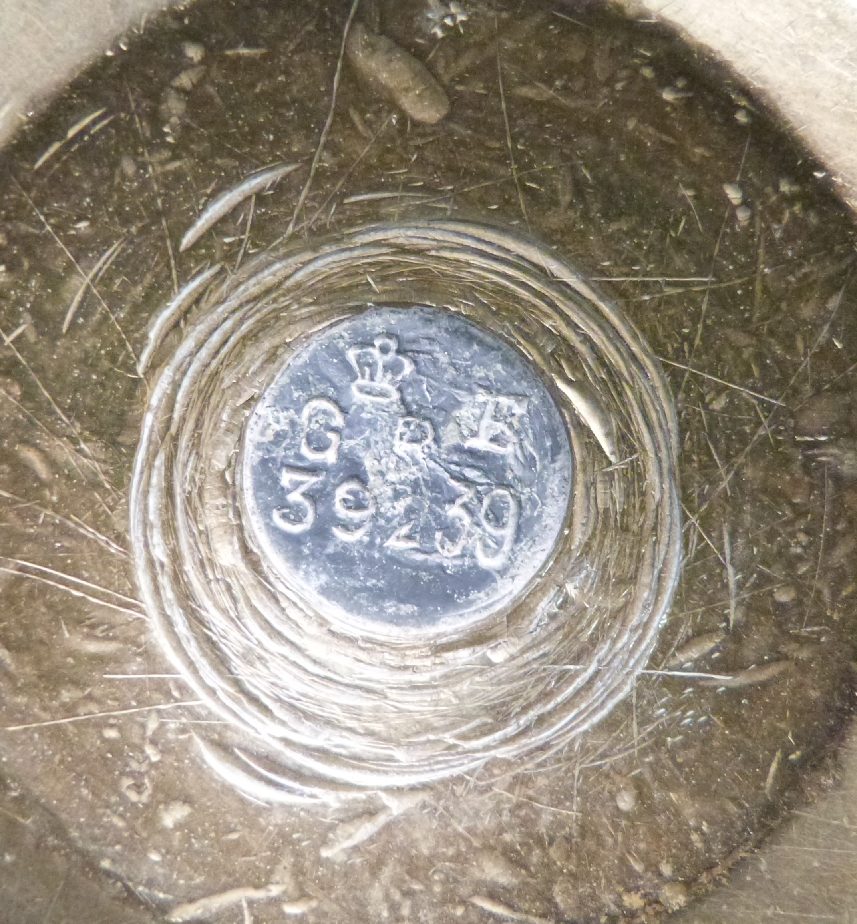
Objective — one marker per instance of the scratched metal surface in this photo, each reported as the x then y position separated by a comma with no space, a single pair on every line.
815,904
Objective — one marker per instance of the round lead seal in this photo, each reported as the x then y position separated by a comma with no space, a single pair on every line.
406,467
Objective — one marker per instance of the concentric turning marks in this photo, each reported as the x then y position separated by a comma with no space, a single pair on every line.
242,555
406,467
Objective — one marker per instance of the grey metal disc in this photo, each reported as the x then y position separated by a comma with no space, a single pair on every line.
406,467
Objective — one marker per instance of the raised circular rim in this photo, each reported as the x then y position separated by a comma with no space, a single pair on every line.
321,727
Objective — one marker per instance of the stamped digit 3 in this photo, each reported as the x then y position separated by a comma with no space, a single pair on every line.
299,515
457,512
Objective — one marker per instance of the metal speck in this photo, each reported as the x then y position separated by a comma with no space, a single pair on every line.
674,94
734,193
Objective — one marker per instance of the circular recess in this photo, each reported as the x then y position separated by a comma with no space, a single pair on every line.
406,467
273,504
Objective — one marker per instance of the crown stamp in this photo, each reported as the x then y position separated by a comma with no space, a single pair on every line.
379,369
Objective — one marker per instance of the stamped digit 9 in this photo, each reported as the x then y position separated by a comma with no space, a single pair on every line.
499,518
353,503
